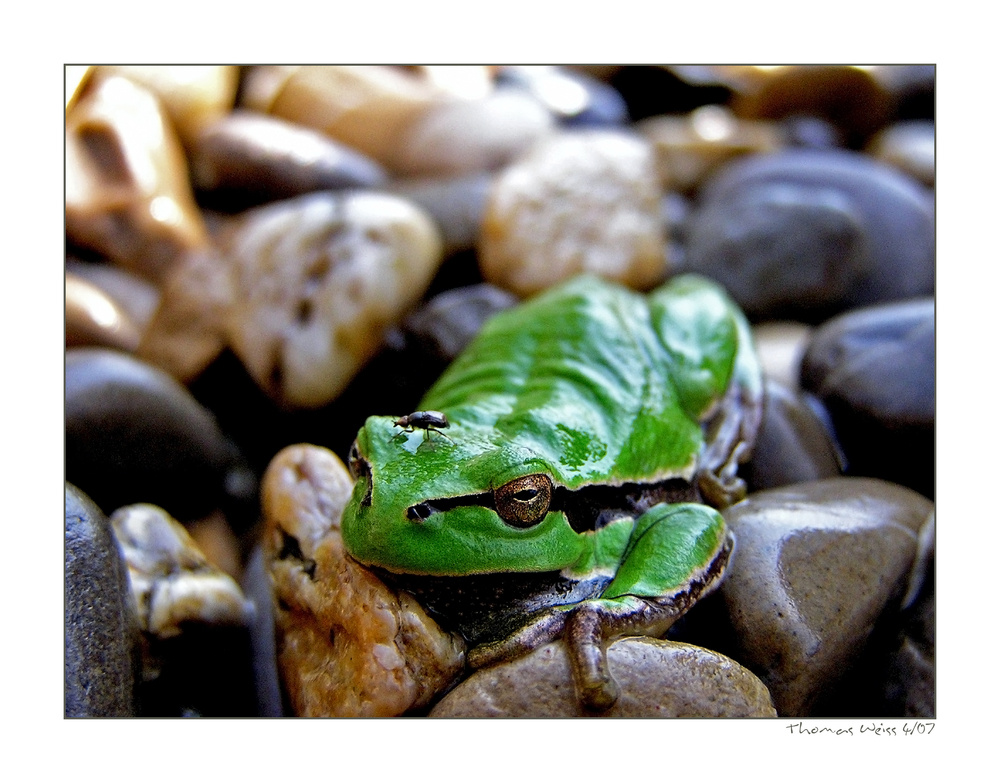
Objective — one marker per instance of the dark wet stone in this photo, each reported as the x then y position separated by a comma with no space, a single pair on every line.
910,683
873,369
805,234
449,321
256,584
246,159
793,445
135,435
817,583
102,631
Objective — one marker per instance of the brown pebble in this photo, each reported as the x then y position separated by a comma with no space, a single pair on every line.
127,191
578,202
94,318
347,645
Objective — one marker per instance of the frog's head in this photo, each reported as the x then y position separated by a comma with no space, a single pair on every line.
452,503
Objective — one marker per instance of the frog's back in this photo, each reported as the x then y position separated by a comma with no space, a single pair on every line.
604,384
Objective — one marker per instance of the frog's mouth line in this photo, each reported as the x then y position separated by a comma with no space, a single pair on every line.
587,508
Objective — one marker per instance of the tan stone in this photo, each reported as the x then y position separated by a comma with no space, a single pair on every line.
188,329
464,136
172,581
909,146
348,646
94,318
193,95
366,107
577,202
127,190
134,294
317,282
689,148
657,679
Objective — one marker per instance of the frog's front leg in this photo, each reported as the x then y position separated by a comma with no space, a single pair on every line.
675,555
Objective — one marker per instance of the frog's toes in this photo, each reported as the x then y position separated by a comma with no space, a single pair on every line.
585,639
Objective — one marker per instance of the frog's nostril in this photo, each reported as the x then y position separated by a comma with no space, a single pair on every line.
419,512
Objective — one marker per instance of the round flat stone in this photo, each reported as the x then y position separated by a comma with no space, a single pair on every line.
656,679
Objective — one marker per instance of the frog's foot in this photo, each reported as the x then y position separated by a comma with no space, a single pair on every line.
729,434
583,627
541,630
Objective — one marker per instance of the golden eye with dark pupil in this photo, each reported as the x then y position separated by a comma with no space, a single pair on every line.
524,501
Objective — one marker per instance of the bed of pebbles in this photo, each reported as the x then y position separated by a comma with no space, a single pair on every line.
258,258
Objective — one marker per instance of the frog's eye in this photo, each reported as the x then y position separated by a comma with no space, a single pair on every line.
524,501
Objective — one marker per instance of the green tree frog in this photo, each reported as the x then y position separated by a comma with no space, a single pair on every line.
562,476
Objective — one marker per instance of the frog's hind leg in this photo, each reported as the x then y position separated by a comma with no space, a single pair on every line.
544,628
677,554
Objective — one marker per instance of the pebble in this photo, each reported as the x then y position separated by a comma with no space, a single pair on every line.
188,329
690,147
366,107
658,679
193,616
194,96
246,159
816,566
463,136
794,443
133,435
347,645
583,201
94,318
256,585
909,146
803,234
873,369
851,98
910,684
128,196
102,631
173,583
447,323
318,281
131,293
